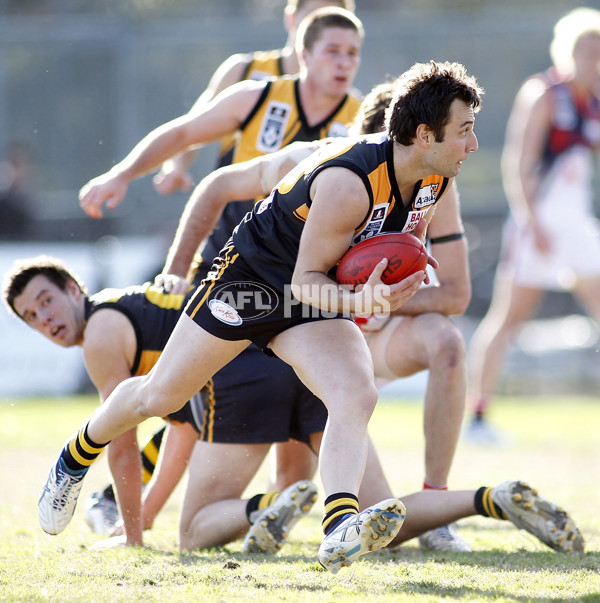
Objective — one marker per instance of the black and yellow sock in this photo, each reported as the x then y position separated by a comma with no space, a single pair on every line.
484,505
337,506
81,451
149,454
259,502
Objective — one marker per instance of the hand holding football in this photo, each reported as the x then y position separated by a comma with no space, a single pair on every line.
405,254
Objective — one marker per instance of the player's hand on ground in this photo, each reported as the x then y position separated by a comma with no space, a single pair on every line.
172,283
172,178
109,543
109,188
118,530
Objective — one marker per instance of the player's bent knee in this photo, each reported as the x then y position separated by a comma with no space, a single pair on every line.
450,346
154,401
359,400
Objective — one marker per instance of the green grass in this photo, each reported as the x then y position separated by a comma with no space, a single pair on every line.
555,448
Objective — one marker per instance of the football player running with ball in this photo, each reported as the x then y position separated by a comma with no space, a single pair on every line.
290,244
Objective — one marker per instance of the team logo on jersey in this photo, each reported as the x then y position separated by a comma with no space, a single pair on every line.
224,312
272,129
375,224
426,196
242,301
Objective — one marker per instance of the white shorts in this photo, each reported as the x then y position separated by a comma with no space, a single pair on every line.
564,211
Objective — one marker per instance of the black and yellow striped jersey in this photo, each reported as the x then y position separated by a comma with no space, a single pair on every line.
276,120
269,237
262,65
153,315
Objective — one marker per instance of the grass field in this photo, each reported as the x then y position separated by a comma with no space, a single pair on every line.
556,448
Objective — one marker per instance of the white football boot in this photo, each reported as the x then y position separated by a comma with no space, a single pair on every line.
362,533
270,530
528,511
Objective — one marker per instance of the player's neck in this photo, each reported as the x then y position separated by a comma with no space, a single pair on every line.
408,169
316,103
289,60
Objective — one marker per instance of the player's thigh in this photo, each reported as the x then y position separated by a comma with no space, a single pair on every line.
190,358
512,303
331,358
219,472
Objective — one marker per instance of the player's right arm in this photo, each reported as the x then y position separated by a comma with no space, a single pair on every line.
174,174
109,351
340,202
222,116
237,182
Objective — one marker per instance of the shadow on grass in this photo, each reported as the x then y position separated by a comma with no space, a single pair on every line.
496,559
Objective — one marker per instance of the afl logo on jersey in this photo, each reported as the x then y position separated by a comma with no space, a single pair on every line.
272,129
224,312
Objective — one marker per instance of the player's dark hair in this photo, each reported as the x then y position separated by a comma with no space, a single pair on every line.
424,95
312,26
19,276
371,113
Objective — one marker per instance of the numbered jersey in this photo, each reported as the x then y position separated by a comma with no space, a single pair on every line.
269,237
153,315
276,120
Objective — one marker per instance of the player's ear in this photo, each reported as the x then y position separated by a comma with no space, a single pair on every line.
73,288
424,136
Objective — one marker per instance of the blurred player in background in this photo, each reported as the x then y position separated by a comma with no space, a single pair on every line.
267,115
258,65
551,241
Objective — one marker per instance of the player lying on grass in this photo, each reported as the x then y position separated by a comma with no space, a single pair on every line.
421,337
51,300
122,332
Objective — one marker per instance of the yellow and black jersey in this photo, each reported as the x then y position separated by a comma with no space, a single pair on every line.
276,120
261,66
153,315
269,237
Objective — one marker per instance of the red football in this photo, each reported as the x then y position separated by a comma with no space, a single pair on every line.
405,253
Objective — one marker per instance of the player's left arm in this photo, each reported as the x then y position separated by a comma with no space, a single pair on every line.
237,182
175,453
108,352
340,202
452,293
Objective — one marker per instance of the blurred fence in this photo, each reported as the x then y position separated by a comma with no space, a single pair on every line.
82,82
